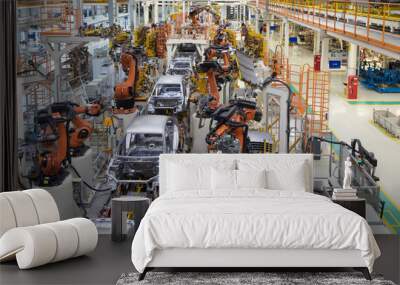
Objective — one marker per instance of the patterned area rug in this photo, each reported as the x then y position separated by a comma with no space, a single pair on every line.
244,278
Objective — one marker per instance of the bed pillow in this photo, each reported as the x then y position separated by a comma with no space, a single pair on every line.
184,176
251,179
291,177
223,179
281,168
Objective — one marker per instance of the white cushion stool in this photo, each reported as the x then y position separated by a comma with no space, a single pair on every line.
31,232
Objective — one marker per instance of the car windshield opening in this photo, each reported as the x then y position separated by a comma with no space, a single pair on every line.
182,65
168,88
143,144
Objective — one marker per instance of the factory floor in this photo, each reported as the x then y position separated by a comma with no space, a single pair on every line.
353,119
110,259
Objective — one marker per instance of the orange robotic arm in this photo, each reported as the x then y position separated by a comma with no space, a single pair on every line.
222,129
82,128
50,162
233,120
218,52
211,102
54,137
125,91
214,102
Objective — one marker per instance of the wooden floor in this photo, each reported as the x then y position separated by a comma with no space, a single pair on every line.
106,264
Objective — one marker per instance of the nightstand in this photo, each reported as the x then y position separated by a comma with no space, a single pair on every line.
356,205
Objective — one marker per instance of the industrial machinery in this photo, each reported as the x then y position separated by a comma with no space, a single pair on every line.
78,65
155,40
217,75
224,36
254,43
140,36
120,38
100,30
194,17
383,80
276,101
61,132
222,53
169,96
91,31
135,164
209,103
125,92
229,126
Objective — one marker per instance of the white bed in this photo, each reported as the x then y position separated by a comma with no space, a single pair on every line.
226,226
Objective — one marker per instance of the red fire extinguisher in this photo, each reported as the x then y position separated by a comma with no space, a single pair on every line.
352,87
317,62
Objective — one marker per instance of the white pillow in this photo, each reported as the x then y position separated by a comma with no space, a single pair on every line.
251,178
183,177
223,179
291,178
186,175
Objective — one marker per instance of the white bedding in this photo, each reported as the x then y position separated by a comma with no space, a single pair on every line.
251,218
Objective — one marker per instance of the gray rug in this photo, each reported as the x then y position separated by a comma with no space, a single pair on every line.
243,278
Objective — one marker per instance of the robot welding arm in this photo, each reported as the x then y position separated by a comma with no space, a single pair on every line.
125,90
212,102
90,109
82,128
52,139
223,52
51,162
232,120
214,90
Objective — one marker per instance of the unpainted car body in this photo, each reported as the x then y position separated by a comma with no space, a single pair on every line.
136,160
170,95
181,66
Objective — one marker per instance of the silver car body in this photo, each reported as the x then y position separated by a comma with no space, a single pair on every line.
136,160
169,93
181,66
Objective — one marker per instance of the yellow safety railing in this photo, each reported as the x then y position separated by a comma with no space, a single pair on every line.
372,22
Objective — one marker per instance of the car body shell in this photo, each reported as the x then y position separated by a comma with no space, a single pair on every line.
136,160
169,96
181,66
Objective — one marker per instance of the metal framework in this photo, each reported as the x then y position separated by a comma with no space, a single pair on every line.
310,99
377,24
34,72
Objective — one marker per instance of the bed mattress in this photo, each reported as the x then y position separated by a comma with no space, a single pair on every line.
250,219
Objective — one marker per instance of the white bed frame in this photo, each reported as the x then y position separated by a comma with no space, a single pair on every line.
234,257
250,258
